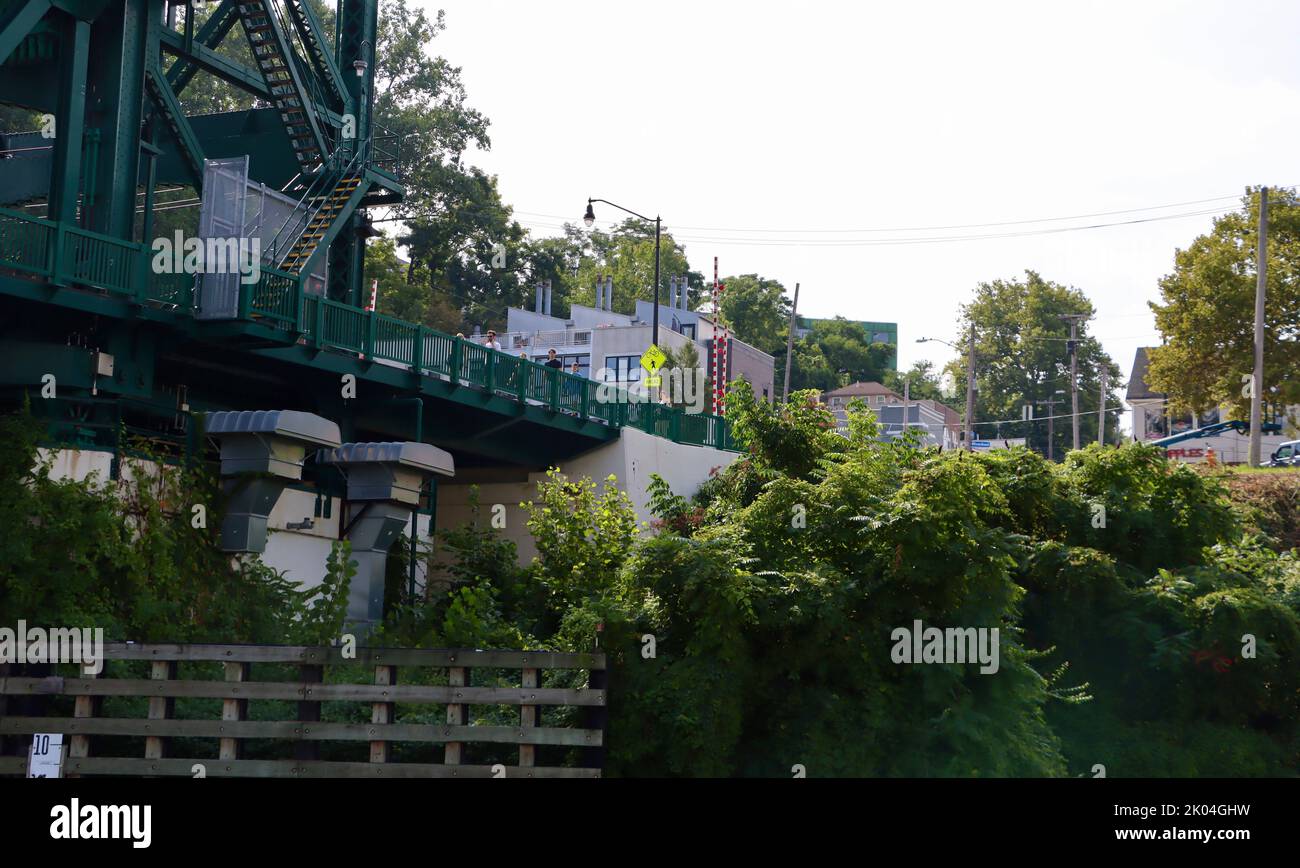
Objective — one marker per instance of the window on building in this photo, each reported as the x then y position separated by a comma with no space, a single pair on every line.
583,360
688,329
622,369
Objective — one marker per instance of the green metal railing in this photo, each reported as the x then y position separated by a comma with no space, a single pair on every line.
66,255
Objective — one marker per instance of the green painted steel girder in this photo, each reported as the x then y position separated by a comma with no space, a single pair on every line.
322,60
199,56
178,125
358,26
214,30
118,51
17,20
65,168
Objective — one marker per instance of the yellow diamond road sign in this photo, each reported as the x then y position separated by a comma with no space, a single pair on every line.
653,359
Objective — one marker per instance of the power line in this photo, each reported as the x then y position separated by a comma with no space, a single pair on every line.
941,228
1120,409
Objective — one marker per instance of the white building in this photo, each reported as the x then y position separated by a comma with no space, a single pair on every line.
608,345
1152,420
938,424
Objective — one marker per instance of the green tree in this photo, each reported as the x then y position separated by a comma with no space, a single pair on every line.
16,119
1208,312
757,311
1022,356
627,253
835,353
422,99
924,382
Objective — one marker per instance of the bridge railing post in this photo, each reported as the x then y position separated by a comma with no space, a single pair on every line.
318,327
457,360
417,352
56,255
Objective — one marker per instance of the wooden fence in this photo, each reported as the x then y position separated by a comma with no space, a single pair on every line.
216,745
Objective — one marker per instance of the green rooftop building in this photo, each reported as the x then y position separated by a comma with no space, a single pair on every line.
876,332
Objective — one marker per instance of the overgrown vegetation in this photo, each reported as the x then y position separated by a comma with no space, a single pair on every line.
126,555
1147,623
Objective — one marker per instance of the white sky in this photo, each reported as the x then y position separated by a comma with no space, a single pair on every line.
817,116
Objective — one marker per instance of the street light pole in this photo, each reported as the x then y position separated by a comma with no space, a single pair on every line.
654,328
1074,372
970,384
970,394
1050,404
1257,378
789,344
1101,410
590,218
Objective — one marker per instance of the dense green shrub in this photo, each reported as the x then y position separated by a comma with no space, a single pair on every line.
125,555
1145,623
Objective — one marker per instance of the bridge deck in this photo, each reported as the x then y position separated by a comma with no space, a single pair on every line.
54,263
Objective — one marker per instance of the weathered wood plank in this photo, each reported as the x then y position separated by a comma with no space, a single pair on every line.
452,754
307,769
306,655
308,712
404,693
298,731
233,710
382,713
86,705
528,720
160,707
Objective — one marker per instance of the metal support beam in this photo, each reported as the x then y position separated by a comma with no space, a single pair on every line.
320,57
200,56
118,49
17,21
178,125
214,30
65,170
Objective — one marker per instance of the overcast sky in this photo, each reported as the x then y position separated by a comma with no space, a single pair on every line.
762,131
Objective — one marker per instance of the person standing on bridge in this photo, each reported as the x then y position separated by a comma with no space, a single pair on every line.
492,343
552,360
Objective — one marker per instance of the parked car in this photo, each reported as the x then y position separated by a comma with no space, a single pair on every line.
1287,455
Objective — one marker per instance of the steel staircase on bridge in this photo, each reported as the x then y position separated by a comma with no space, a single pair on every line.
269,44
309,30
328,209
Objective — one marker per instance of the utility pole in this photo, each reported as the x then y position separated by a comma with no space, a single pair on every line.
1101,410
1074,372
789,344
970,393
907,400
1050,403
1257,382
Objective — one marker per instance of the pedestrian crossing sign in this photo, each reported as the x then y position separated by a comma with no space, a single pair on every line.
653,359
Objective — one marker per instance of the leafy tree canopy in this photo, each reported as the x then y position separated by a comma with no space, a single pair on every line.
1208,312
1022,357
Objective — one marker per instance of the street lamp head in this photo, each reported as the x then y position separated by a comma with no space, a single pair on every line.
590,217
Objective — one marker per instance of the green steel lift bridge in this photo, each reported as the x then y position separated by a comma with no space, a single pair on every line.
127,350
